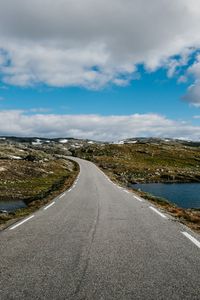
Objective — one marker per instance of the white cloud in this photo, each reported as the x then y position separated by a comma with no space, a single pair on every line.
95,127
92,43
174,65
193,92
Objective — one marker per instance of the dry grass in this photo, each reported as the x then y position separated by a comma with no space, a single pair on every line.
146,162
189,217
36,178
7,219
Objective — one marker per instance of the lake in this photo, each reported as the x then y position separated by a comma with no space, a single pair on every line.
11,206
185,195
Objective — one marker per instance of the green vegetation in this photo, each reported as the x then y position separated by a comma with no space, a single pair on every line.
150,162
146,162
189,217
33,176
36,173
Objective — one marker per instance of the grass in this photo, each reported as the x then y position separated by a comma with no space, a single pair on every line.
146,162
30,180
143,163
41,199
35,181
189,217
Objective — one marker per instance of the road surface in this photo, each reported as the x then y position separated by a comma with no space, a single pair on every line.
97,241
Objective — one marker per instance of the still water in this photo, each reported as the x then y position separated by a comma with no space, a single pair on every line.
11,206
185,195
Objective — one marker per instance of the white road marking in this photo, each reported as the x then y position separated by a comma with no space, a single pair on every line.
126,191
20,223
191,238
62,196
69,190
137,198
49,205
158,212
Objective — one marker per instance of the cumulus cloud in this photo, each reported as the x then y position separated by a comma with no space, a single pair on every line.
92,43
193,92
105,128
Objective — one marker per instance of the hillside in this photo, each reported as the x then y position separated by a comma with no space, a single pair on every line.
35,170
32,175
150,160
146,160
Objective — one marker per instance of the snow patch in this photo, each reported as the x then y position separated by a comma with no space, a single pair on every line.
37,142
131,142
15,157
64,141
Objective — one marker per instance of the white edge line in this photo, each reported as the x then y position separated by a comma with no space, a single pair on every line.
69,190
20,223
158,212
46,207
137,198
62,196
126,191
191,238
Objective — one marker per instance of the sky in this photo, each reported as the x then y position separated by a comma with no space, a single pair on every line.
103,70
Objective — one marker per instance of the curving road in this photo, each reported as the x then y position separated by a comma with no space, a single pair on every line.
97,241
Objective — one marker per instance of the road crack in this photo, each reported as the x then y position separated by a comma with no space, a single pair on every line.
93,233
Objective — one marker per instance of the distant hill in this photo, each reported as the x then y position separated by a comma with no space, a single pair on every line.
69,141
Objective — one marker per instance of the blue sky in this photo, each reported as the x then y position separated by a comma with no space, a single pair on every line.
105,70
151,93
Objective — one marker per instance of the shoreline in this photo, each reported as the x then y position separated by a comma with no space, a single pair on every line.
164,187
9,218
189,217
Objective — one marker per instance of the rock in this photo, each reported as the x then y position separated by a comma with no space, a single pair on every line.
3,211
30,157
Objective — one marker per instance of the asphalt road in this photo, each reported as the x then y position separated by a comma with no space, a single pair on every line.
97,241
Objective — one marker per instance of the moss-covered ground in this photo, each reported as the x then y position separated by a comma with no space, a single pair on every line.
146,162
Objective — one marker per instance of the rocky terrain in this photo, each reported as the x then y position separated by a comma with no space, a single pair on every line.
32,172
138,160
146,160
36,169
